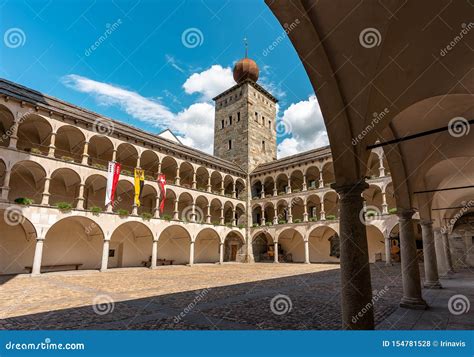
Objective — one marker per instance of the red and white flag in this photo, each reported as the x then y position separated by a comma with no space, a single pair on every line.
113,175
162,186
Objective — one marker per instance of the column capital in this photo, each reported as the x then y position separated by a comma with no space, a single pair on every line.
350,190
405,213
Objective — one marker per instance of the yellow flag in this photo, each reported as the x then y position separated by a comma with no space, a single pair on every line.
139,176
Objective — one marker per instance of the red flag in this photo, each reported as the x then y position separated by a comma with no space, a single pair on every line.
112,181
162,185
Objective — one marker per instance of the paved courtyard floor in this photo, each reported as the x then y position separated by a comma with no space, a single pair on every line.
205,296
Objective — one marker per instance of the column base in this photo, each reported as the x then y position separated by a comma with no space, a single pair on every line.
307,262
414,304
103,270
388,264
35,274
432,285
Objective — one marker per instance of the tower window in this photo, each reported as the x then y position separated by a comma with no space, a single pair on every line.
269,123
230,144
222,124
263,145
263,120
256,116
238,116
230,119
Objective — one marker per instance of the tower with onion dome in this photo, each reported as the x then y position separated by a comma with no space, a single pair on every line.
245,119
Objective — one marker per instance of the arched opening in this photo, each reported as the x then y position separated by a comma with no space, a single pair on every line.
185,207
390,197
94,192
461,242
328,174
186,173
64,187
202,177
149,163
3,170
234,248
240,216
296,178
373,200
373,166
206,247
297,209
34,135
127,156
147,200
269,185
324,245
331,205
17,242
313,204
216,208
130,246
292,246
240,189
282,184
256,215
312,177
228,185
216,182
168,210
256,189
262,247
228,213
100,151
124,197
173,244
376,243
269,213
282,211
69,144
168,168
73,242
6,122
27,181
201,209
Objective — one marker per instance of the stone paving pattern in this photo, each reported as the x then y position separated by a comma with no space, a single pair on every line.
238,296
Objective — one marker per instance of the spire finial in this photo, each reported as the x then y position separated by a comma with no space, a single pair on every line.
246,47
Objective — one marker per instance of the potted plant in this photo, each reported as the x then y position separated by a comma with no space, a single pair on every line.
167,217
64,207
146,216
24,201
123,213
95,210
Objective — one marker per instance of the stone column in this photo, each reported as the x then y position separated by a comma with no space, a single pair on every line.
52,146
159,169
275,215
356,285
36,269
156,213
305,185
222,215
208,214
154,254
194,183
85,153
384,203
13,136
105,255
45,196
290,215
263,220
275,250
191,253
209,186
177,180
80,197
114,155
322,213
275,189
175,210
234,191
306,252
6,185
321,181
447,252
289,185
221,252
381,167
305,211
138,161
429,256
412,298
262,192
193,212
222,188
388,252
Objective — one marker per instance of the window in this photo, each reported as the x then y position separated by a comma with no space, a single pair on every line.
263,120
263,145
230,144
222,124
269,123
230,119
238,116
256,116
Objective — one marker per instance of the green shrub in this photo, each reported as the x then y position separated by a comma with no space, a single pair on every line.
126,172
281,193
255,197
241,226
96,210
67,158
255,225
216,223
268,223
146,216
123,212
296,190
297,220
24,201
64,206
167,217
229,225
282,221
36,151
149,178
392,210
330,217
313,219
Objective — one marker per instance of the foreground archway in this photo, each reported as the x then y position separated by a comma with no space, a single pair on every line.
234,246
262,245
173,244
130,245
206,248
323,245
292,246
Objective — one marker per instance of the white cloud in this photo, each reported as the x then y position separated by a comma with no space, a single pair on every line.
210,82
305,122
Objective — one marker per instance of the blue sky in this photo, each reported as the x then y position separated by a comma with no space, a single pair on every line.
132,61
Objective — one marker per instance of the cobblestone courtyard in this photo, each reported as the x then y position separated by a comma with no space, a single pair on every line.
229,296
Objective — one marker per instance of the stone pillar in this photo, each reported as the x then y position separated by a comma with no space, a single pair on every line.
177,180
36,269
194,182
114,155
208,214
289,185
159,169
356,285
321,181
275,215
221,252
262,192
222,215
306,252
305,211
154,254
275,250
134,209
52,146
6,185
381,167
85,153
290,215
138,161
384,203
275,189
13,136
322,213
263,220
305,185
429,256
191,253
105,255
222,188
156,212
45,196
234,191
193,212
447,252
388,252
80,197
175,210
412,298
209,186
